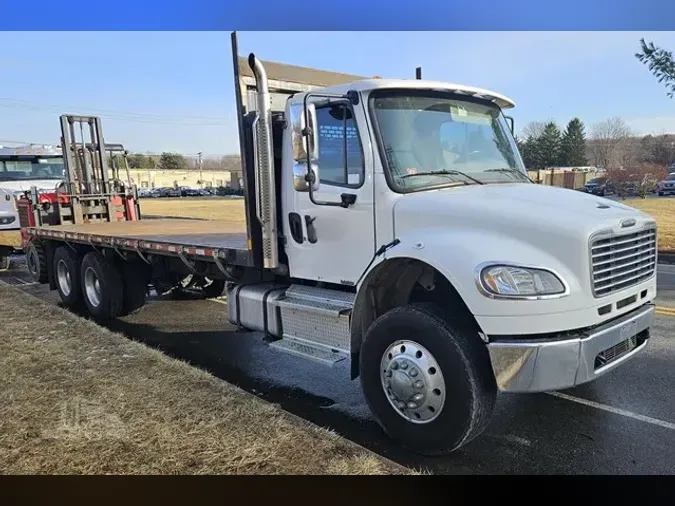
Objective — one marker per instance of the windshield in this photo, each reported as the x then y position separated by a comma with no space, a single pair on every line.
598,180
435,139
18,168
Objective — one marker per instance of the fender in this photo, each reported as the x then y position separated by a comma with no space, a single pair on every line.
456,256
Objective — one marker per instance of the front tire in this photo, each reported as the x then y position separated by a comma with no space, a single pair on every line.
102,287
427,380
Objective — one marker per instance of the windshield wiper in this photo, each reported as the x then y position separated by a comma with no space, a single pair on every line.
511,171
445,171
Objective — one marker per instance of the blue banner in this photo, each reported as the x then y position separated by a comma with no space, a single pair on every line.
344,15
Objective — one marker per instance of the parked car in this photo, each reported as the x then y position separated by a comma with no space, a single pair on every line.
600,186
667,186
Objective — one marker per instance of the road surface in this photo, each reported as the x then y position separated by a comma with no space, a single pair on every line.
623,423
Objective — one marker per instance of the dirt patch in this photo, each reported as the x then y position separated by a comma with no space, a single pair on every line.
663,210
212,208
77,398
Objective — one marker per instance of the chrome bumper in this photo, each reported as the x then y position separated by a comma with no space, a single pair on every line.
544,365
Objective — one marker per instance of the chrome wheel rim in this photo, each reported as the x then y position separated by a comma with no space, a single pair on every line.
63,277
412,381
92,287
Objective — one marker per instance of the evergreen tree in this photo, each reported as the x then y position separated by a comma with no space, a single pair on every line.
660,63
549,146
528,152
573,145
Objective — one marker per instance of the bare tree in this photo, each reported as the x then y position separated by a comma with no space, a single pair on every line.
637,179
533,130
609,147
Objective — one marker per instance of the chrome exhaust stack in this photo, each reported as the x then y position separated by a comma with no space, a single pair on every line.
265,190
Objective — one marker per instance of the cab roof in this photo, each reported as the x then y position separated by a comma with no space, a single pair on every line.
366,85
30,150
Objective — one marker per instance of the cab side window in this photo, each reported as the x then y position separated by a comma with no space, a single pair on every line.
332,124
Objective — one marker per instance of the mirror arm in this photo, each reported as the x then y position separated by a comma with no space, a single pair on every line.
511,123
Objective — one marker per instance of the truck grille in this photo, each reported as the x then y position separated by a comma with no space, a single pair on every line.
622,261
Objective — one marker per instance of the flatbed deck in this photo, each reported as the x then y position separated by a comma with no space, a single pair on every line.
204,239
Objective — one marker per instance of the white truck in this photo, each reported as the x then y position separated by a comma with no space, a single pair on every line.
391,223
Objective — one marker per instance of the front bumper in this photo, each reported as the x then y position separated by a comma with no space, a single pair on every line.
541,365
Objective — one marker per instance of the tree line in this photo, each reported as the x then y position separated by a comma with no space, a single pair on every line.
610,144
179,162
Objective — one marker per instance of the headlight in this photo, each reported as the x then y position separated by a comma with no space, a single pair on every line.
518,282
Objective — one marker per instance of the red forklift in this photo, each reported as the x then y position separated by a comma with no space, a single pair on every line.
94,188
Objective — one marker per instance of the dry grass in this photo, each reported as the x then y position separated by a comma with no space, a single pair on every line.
77,398
663,210
206,209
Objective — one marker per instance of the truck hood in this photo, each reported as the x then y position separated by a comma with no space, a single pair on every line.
25,185
545,218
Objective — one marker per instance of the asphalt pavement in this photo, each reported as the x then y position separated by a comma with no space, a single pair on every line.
623,423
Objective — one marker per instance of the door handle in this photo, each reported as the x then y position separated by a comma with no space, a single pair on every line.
311,231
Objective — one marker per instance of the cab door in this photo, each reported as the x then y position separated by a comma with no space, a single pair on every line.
326,242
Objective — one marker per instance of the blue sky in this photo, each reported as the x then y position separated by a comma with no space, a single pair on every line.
172,91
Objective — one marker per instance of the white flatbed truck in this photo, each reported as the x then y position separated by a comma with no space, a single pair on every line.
391,223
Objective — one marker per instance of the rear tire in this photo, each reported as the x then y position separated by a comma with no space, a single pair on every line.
442,382
36,262
67,276
135,287
5,262
102,287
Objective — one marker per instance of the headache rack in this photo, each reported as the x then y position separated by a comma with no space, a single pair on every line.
622,261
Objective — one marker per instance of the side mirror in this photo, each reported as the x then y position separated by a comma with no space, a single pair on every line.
305,145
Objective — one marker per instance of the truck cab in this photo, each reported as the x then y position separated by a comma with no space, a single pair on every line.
406,206
23,167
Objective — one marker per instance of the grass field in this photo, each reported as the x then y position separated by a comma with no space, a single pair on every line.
663,209
79,399
206,209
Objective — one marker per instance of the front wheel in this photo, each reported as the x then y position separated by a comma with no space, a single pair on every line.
5,262
428,381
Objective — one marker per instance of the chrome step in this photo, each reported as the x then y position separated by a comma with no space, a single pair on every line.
317,316
309,351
